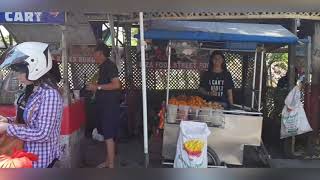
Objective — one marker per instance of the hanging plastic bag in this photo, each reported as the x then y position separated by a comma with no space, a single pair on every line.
96,136
192,145
293,119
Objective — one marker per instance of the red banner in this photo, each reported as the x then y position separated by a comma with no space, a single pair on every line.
73,116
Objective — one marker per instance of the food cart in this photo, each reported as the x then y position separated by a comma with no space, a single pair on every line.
241,125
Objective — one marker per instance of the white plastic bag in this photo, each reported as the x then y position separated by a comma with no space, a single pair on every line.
293,119
192,145
96,136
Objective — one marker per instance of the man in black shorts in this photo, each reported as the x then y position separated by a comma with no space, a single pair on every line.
107,94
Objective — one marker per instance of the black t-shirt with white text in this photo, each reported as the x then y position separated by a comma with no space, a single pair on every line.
218,82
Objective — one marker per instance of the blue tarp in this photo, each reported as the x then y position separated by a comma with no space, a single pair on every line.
218,31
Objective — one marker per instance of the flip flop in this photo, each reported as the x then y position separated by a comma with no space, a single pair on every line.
102,165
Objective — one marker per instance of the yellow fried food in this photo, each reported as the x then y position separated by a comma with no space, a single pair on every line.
194,147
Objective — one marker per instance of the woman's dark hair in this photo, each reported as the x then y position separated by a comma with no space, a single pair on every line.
47,79
23,98
103,48
55,71
28,91
220,53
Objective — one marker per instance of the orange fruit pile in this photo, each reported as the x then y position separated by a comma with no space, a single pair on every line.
193,101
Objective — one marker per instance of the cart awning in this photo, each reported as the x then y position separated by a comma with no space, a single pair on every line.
218,31
125,6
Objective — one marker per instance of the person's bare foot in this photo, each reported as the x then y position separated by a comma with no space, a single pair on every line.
111,166
102,165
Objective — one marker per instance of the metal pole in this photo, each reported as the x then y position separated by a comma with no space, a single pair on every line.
292,57
10,39
309,61
260,81
144,90
117,33
111,23
168,73
291,68
315,89
64,48
254,78
244,80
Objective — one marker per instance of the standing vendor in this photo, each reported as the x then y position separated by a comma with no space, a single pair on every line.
107,93
216,84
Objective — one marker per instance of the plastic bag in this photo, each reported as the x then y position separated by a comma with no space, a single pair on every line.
183,112
9,144
293,119
19,159
172,113
97,136
192,145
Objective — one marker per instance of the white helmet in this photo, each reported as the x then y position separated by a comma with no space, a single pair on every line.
34,55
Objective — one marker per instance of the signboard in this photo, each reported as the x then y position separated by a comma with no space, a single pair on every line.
32,17
184,55
175,65
84,54
77,54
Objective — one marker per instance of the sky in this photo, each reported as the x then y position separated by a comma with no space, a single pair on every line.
4,31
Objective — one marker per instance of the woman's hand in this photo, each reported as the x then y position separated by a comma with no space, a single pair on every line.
3,119
3,127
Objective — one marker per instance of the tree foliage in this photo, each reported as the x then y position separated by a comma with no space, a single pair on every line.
277,65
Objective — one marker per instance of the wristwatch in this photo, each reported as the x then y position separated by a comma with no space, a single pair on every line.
99,88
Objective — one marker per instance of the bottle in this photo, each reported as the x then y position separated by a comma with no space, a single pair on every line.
83,90
84,81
